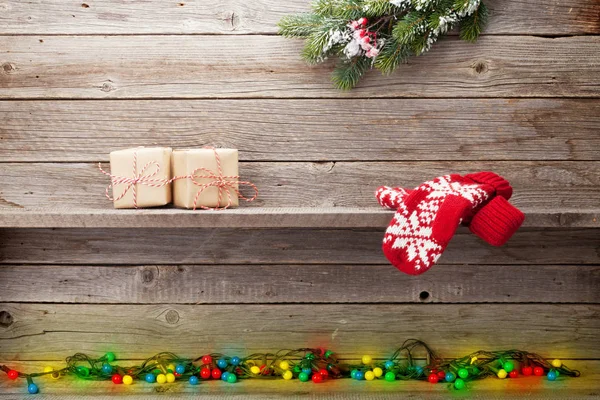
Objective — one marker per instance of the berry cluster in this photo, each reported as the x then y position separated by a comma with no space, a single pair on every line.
363,42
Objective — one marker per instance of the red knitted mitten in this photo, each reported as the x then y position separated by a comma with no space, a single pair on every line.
427,218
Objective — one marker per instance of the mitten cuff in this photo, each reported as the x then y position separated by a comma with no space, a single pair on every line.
500,185
497,221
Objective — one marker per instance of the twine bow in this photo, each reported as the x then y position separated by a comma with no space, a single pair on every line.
219,181
143,178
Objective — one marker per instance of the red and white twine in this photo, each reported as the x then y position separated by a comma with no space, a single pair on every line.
218,180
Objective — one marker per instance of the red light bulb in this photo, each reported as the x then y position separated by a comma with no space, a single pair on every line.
206,359
12,374
527,371
324,373
117,379
216,373
205,373
513,374
433,378
441,375
538,371
317,378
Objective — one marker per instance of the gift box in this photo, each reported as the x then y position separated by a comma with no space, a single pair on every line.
205,178
140,177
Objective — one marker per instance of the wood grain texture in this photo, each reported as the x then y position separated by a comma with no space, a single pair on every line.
584,387
89,67
307,130
248,217
210,284
278,246
259,16
37,331
554,186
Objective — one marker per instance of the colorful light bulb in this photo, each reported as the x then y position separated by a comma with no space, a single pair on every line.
378,372
255,370
83,371
224,376
287,375
150,378
450,377
508,366
110,357
538,371
222,363
366,359
527,371
353,373
459,384
303,376
207,359
32,388
161,378
360,375
389,364
501,373
433,378
513,374
117,379
127,380
193,380
205,373
324,373
180,368
463,373
551,375
390,376
556,363
328,353
170,377
284,365
231,378
317,378
235,361
369,375
216,373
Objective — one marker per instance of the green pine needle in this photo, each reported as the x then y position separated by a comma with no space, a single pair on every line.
347,73
472,26
299,25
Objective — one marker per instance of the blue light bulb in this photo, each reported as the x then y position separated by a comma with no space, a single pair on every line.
193,380
222,363
150,378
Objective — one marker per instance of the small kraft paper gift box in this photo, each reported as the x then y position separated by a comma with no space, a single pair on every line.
207,178
140,177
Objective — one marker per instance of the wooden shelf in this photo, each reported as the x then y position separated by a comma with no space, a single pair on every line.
583,387
330,218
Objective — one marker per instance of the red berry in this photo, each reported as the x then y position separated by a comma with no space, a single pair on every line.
362,21
317,378
12,374
216,373
433,378
538,371
206,360
177,374
526,371
323,372
441,375
117,379
513,374
205,373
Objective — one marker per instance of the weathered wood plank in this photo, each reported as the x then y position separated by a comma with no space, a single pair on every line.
258,217
38,331
307,130
554,186
90,67
584,387
281,246
260,16
210,284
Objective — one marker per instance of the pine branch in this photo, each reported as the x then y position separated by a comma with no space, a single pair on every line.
299,25
392,54
321,42
347,73
472,26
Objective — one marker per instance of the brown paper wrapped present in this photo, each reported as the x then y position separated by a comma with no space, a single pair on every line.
207,178
140,177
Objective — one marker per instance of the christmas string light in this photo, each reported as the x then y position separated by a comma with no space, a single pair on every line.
305,364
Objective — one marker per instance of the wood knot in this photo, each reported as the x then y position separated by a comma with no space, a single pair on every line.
85,5
172,317
107,87
6,319
147,275
480,67
8,67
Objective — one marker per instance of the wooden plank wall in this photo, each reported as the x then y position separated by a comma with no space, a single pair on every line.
79,79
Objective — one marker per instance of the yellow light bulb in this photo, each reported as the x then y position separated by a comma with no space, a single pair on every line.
127,380
473,359
284,365
255,370
367,359
170,378
48,369
557,363
171,367
369,375
161,378
502,374
378,372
